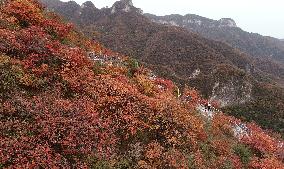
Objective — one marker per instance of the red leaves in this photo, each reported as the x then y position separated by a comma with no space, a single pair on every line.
165,84
8,41
61,113
57,29
155,151
261,141
190,97
176,159
266,163
59,126
27,12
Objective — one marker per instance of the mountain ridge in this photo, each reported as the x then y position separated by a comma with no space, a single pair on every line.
193,19
251,43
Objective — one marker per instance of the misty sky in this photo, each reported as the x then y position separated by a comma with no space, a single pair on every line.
260,16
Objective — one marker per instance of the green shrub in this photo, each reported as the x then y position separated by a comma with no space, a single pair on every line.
190,160
243,152
132,65
208,151
122,164
9,76
227,165
98,68
101,164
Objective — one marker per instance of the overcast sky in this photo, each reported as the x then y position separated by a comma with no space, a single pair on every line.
260,16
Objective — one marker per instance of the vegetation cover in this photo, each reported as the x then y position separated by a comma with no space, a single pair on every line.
67,102
247,83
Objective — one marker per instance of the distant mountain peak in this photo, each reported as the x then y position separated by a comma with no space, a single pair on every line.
88,4
124,6
129,2
227,22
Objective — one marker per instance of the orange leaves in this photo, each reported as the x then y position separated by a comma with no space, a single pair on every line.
65,105
154,151
44,68
158,157
222,146
27,12
190,97
8,21
154,155
176,159
27,80
260,141
75,57
12,20
266,163
56,29
222,125
164,84
145,85
77,83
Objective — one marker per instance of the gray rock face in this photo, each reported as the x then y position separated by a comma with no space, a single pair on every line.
122,6
233,92
227,22
191,20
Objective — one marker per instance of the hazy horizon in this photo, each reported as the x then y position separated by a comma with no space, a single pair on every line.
263,17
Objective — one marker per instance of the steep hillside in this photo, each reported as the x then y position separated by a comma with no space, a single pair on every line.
220,72
226,30
67,102
268,51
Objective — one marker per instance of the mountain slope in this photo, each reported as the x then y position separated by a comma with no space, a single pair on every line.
67,102
226,30
268,51
155,45
219,71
